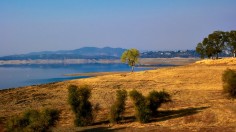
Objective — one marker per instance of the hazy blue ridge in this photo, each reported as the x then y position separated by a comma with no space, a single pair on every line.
82,53
103,53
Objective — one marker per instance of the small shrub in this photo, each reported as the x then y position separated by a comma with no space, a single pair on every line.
155,99
51,115
118,107
229,83
33,121
73,97
79,100
142,112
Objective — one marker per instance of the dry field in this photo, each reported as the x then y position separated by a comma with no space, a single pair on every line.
198,103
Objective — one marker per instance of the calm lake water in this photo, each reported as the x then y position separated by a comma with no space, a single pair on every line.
23,75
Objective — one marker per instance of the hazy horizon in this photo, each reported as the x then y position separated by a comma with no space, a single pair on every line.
34,26
141,50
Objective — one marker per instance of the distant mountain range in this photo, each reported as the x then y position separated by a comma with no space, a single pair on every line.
101,53
82,53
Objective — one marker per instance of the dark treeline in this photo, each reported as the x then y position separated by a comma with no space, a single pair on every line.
217,43
170,54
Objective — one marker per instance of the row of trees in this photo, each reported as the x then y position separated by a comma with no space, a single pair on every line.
85,112
145,107
217,42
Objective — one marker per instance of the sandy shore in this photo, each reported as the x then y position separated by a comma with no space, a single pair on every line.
93,74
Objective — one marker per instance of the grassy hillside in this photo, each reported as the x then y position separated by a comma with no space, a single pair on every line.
196,89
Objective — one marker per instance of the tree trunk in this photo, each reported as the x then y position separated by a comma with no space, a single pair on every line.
217,56
234,53
132,68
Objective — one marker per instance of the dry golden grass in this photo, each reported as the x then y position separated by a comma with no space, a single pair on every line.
198,103
225,61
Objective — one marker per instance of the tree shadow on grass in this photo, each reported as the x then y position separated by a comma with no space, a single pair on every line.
171,114
100,128
168,114
160,116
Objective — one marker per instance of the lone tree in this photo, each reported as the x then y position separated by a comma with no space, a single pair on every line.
130,57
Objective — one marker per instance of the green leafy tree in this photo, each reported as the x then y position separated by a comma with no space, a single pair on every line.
130,57
118,108
212,45
231,41
209,51
217,40
201,49
79,100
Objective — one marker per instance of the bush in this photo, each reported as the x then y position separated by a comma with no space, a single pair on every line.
33,121
229,83
79,100
142,112
118,108
145,107
155,99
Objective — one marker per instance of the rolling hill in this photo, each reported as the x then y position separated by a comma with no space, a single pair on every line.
82,53
196,89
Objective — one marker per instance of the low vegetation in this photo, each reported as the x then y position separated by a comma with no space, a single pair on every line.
142,112
155,99
229,83
78,98
33,121
145,107
118,108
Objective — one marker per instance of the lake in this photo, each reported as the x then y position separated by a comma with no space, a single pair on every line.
23,75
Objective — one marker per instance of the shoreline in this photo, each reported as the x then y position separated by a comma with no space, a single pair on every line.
149,63
94,74
143,61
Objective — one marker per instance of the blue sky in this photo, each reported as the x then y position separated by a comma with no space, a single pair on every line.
30,25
